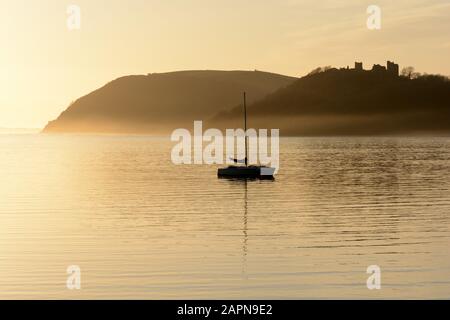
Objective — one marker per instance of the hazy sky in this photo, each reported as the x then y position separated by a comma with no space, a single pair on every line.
44,66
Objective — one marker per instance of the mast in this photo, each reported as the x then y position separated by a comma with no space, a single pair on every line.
245,129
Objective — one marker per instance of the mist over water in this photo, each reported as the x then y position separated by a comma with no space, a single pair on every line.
140,227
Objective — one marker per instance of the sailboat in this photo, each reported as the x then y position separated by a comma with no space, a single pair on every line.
246,170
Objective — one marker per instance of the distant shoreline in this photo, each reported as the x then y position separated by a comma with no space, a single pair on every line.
282,136
19,130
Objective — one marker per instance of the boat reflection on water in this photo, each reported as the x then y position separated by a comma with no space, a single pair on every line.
244,181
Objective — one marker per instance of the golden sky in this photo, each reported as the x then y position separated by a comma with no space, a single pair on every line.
44,66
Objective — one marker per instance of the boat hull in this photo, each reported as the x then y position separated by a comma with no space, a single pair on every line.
246,172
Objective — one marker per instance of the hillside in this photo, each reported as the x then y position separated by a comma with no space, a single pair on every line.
351,102
159,103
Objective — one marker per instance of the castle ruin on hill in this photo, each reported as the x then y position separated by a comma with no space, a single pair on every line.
391,68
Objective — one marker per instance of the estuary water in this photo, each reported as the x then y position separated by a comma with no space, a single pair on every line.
140,227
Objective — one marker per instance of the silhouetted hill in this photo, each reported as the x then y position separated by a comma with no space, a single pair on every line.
158,103
351,102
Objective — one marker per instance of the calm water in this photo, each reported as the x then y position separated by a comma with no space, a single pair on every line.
140,227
